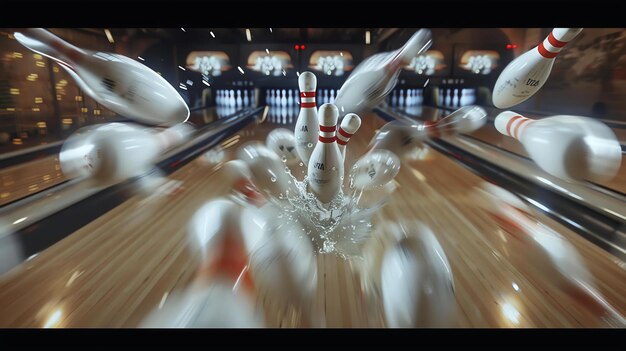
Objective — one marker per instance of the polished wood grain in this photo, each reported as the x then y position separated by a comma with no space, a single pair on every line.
115,270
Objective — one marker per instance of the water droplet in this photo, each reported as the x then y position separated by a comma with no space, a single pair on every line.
284,159
273,179
309,145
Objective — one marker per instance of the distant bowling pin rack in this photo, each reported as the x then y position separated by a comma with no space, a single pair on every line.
291,97
455,97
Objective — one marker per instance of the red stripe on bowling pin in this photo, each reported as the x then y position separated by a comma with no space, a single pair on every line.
327,134
343,137
310,99
517,131
554,44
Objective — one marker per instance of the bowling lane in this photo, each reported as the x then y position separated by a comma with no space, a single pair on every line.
114,270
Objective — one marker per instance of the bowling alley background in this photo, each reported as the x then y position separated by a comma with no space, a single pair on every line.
457,211
40,103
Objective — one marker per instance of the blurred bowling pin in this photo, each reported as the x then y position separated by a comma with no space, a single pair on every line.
325,170
283,264
403,138
375,77
525,75
568,147
241,182
350,124
269,172
121,84
417,283
549,254
283,143
222,293
375,169
114,152
307,129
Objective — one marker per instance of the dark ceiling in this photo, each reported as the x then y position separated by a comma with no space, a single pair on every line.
264,35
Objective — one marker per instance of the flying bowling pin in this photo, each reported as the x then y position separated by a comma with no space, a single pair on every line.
525,75
349,125
375,77
307,127
269,172
113,152
282,142
325,169
568,147
416,280
403,138
375,169
119,83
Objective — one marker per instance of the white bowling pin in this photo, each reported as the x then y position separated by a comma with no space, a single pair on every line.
551,256
568,147
239,101
525,75
231,98
223,292
403,138
121,84
240,179
283,143
246,99
374,78
290,98
113,152
269,172
307,127
401,98
394,98
350,124
283,264
375,169
416,280
325,169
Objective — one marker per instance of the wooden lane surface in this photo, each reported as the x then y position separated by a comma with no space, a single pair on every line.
113,271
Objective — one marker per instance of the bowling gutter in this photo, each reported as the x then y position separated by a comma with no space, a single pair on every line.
597,217
64,209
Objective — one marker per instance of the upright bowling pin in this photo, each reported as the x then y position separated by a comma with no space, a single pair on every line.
374,78
525,75
238,100
325,171
568,147
121,84
307,128
349,125
246,99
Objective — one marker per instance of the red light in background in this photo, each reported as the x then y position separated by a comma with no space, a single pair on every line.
297,47
302,47
511,46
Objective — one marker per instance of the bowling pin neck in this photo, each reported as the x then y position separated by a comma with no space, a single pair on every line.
343,137
307,99
511,124
48,44
327,134
555,42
